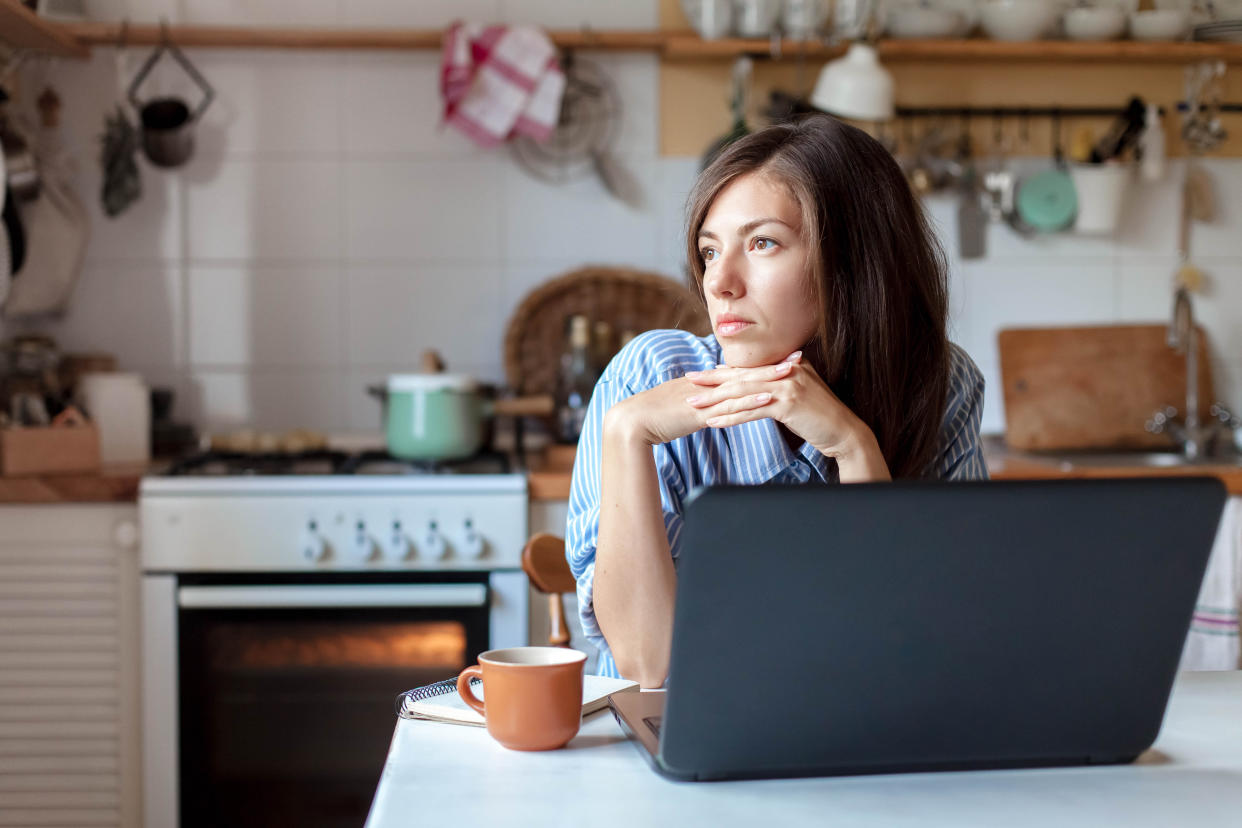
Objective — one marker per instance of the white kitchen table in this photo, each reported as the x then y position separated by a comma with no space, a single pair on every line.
440,774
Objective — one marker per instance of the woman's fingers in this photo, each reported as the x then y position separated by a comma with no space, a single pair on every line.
720,376
754,412
738,405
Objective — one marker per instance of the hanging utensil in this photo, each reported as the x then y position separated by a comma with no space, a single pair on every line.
586,129
119,146
972,219
1047,201
168,123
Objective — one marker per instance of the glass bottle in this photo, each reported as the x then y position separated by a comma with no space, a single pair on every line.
577,381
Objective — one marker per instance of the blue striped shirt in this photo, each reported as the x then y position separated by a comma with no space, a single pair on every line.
749,453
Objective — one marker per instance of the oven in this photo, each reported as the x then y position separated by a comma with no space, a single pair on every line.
283,616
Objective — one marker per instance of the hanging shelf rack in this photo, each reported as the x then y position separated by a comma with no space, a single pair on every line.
22,29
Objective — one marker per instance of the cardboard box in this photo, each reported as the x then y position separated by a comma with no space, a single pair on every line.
57,449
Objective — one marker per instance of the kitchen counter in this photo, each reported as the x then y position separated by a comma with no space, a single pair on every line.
1003,464
112,484
450,773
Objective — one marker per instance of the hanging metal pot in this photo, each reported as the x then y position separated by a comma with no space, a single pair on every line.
168,123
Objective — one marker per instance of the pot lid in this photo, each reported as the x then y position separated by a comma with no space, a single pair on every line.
431,382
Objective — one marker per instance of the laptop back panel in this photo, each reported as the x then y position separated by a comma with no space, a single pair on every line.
906,626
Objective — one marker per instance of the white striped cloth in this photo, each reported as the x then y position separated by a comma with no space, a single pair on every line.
747,454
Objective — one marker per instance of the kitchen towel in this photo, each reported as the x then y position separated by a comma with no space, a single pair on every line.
1213,640
500,81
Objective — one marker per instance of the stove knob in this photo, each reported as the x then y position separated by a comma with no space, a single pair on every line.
314,547
397,546
433,544
473,545
362,548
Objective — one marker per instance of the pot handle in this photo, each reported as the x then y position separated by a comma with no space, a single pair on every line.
166,45
537,406
380,393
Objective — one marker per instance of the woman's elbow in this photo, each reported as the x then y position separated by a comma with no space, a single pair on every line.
649,672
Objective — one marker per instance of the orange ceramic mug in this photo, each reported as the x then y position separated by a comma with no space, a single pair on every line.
532,695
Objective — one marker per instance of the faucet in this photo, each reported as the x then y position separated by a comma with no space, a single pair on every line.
1196,439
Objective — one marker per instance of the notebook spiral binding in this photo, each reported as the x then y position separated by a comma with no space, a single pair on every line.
440,688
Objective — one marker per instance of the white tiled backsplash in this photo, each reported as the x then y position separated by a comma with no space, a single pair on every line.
327,230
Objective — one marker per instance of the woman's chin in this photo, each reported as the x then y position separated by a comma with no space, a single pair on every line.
737,355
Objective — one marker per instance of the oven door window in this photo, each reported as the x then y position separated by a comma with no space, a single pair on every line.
287,710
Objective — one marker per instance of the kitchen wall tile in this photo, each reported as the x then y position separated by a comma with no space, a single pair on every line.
264,209
1217,309
1149,220
675,178
392,106
131,311
520,280
632,14
573,14
149,228
589,223
443,210
275,400
1220,237
1145,289
424,13
1013,295
260,12
636,78
138,11
271,101
550,14
265,316
395,313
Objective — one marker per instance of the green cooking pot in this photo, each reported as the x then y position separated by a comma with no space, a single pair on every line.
435,417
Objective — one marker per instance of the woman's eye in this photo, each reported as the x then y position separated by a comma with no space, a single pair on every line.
708,253
765,244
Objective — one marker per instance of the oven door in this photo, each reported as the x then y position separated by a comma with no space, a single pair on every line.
286,686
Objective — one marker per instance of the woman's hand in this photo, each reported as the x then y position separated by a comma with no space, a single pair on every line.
660,414
791,393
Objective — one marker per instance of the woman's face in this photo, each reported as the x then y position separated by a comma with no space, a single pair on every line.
756,275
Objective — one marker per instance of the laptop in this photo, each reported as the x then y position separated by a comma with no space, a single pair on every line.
917,626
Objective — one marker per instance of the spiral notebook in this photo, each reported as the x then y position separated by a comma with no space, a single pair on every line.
440,702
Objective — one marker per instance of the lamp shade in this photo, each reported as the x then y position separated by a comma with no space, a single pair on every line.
855,86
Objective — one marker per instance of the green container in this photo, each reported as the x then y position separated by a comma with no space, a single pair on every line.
434,417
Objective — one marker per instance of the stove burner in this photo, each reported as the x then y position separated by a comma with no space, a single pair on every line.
229,463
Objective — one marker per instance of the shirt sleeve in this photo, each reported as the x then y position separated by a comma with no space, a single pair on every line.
582,527
962,455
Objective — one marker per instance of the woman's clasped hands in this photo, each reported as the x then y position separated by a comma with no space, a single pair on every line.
789,392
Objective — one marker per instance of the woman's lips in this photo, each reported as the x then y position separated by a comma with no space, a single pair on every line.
732,327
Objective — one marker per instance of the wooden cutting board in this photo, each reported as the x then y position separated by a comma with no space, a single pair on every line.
1094,387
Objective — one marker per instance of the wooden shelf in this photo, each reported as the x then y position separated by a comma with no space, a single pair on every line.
109,34
25,30
688,47
22,29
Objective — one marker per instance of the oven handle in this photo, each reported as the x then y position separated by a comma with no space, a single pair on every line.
299,596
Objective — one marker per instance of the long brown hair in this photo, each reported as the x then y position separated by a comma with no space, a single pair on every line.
878,276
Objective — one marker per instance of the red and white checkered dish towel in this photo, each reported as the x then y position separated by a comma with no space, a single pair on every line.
500,81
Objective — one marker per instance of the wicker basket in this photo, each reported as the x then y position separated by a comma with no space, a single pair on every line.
628,299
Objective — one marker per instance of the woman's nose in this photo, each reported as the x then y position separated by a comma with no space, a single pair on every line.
724,280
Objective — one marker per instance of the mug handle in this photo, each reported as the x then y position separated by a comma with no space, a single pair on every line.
463,688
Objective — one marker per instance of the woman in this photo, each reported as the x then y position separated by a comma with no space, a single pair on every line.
829,363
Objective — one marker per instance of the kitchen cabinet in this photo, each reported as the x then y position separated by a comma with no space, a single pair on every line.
69,680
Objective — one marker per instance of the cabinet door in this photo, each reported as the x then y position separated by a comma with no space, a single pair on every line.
68,665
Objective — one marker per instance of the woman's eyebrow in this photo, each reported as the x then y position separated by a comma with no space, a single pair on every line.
747,227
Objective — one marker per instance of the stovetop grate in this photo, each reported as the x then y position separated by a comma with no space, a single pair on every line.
329,462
